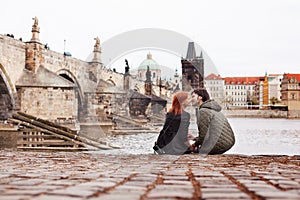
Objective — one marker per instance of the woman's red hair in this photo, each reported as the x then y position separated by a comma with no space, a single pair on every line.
178,98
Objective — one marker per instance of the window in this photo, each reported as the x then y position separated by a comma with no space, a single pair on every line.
153,75
293,96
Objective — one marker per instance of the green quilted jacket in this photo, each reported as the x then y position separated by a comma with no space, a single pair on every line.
215,133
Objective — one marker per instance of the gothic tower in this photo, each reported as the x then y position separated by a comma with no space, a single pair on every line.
192,69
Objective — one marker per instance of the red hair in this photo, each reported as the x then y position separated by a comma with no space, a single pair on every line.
178,98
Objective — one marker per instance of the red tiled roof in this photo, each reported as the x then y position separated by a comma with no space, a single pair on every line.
296,76
213,76
242,80
275,75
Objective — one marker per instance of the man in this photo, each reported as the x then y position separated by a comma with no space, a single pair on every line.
215,133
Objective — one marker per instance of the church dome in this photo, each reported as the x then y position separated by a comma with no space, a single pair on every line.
153,65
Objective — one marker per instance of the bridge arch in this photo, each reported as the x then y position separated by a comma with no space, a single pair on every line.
7,91
67,74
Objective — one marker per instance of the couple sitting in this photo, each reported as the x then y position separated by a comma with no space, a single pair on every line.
215,133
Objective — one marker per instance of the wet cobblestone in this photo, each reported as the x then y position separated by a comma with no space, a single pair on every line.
88,175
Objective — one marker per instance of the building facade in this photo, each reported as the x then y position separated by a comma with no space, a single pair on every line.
214,84
274,88
240,92
290,91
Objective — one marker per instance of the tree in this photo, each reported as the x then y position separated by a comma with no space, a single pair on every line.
274,100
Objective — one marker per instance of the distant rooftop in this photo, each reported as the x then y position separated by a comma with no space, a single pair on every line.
242,80
213,76
296,76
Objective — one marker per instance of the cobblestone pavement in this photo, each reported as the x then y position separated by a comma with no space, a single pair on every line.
88,175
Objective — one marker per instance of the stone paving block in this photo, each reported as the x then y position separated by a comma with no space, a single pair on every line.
84,176
221,195
8,180
174,172
278,194
173,187
147,179
117,197
260,187
24,192
55,197
29,182
130,187
139,183
287,183
177,182
217,185
274,177
90,185
184,178
61,182
203,182
106,184
207,174
36,187
15,197
72,191
158,193
219,190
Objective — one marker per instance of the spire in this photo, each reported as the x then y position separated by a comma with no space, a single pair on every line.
149,56
201,55
191,52
148,75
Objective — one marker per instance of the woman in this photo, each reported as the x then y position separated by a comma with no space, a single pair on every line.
173,138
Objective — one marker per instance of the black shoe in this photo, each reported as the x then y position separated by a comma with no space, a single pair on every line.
158,150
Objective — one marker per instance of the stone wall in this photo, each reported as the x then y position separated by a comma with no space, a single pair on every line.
256,113
9,137
49,103
12,58
294,114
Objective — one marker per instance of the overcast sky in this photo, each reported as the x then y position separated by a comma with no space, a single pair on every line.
242,37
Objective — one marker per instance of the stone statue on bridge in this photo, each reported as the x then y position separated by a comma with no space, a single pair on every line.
97,44
127,67
36,21
35,30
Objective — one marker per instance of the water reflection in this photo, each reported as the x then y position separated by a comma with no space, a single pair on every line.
253,137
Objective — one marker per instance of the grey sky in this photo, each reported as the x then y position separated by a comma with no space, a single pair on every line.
242,37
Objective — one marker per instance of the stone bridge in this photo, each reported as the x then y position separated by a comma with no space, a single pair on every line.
55,86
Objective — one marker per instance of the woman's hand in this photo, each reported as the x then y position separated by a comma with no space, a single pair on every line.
192,147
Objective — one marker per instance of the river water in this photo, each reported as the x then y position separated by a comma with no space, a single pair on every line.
254,136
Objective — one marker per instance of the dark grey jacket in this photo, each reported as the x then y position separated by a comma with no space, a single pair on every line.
175,130
215,133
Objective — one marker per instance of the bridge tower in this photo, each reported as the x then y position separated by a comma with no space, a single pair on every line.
192,69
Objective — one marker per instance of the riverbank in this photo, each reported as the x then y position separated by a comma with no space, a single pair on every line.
258,114
90,175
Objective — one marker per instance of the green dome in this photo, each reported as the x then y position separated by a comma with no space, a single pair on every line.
153,65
